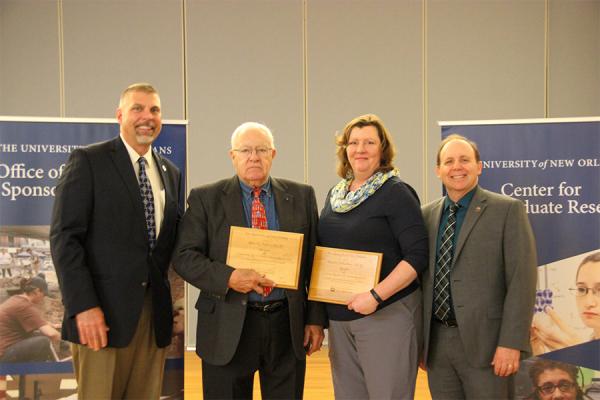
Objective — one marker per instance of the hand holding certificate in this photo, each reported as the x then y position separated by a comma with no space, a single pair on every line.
338,274
276,255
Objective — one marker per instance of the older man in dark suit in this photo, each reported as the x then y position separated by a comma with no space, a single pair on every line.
243,326
112,235
479,291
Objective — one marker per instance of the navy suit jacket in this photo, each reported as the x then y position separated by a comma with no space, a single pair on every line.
99,242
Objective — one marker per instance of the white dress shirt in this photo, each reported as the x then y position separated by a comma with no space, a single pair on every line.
158,189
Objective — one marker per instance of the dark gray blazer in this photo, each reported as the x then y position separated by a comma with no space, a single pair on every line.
99,242
493,276
201,253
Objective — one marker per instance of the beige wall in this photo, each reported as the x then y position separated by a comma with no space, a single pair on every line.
305,67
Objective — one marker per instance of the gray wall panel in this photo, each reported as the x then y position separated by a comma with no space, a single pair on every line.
574,65
246,60
364,59
485,61
29,58
110,44
244,64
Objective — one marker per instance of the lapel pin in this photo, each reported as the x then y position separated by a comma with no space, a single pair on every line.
164,168
477,209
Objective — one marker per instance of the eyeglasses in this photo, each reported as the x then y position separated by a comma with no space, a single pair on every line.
581,291
549,388
246,152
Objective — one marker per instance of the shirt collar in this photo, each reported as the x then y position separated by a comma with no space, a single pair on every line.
134,156
463,203
247,190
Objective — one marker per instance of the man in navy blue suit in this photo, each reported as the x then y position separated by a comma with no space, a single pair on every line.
113,230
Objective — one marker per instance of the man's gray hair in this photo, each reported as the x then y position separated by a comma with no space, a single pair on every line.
137,87
247,126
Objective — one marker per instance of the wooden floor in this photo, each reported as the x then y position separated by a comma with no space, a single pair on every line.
317,385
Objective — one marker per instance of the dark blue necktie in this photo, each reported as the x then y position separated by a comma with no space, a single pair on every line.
148,200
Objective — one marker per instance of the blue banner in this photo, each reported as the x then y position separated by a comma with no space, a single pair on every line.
553,166
33,154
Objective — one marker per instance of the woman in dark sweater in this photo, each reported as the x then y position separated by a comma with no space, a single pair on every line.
375,339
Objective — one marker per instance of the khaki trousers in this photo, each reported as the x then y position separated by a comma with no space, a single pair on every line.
132,372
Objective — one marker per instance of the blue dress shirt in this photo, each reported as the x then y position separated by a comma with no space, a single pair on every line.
268,200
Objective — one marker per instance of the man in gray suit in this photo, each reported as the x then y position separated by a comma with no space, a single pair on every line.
479,291
243,325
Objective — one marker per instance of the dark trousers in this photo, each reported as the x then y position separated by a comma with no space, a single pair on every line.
266,347
35,348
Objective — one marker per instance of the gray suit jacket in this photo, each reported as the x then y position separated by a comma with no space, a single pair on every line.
493,276
201,253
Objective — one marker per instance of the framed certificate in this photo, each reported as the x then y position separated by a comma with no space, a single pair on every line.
276,255
338,274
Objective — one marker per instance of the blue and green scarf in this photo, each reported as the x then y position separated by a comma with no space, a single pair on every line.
342,200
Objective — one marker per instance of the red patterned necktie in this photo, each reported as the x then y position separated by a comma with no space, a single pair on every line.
259,215
259,221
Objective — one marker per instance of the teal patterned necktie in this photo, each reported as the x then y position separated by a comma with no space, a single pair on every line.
442,301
